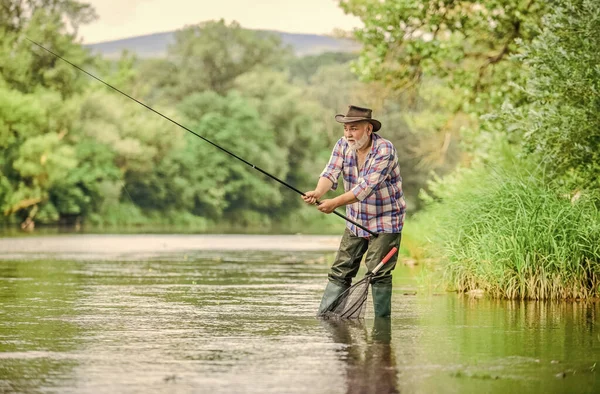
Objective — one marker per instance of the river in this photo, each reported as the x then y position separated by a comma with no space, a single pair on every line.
236,314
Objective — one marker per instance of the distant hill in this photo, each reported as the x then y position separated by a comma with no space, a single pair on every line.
155,45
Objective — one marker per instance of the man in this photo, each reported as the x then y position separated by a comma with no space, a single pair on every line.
373,198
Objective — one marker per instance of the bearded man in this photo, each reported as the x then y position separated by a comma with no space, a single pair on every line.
373,198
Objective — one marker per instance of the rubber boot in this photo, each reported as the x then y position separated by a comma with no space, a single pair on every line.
382,330
382,299
332,291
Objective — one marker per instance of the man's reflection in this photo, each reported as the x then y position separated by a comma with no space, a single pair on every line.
371,365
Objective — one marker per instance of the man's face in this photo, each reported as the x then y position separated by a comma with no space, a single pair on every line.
357,134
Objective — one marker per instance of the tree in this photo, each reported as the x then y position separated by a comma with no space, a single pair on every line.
451,63
304,68
35,151
298,125
210,55
35,119
561,121
15,14
222,184
26,67
465,43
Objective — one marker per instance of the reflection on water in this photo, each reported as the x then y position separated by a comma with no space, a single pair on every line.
35,334
369,362
242,321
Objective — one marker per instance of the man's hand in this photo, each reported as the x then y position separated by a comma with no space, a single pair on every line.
327,206
310,197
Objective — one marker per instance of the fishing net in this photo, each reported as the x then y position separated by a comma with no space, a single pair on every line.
351,304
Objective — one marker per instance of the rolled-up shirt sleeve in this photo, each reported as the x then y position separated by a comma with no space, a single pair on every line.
334,167
376,174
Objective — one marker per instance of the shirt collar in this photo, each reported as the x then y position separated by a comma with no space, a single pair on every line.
374,142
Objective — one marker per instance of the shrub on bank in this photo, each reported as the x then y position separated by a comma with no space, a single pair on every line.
509,233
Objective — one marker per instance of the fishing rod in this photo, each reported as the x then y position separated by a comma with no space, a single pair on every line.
198,135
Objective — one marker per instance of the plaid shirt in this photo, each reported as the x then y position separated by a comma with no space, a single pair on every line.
377,186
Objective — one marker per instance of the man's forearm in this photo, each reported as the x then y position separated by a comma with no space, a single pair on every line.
323,186
345,199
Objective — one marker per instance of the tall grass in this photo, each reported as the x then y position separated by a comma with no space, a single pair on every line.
507,232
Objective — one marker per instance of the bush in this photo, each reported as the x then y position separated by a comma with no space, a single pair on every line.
507,232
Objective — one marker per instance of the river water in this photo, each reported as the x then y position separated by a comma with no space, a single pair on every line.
236,314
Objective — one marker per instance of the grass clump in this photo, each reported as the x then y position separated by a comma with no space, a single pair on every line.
509,233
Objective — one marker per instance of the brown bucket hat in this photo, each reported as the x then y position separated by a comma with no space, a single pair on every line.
356,114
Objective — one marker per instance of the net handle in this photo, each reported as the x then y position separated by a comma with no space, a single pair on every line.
385,260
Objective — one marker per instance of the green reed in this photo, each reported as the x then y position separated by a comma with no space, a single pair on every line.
509,233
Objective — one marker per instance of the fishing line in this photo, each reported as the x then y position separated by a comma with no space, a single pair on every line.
197,135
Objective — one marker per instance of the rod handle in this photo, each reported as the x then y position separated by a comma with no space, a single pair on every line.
385,260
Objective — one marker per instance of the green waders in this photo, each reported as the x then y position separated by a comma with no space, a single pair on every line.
332,291
347,263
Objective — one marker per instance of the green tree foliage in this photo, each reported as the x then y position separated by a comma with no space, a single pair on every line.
14,14
223,183
35,117
304,68
526,225
465,43
157,81
210,55
25,67
447,63
73,149
262,101
335,87
297,124
561,122
35,148
138,138
451,62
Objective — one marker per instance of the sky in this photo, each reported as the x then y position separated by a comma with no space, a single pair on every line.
121,19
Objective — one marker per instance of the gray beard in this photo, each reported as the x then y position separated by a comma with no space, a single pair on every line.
358,145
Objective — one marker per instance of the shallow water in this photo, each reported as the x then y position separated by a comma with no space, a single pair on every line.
235,314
